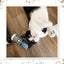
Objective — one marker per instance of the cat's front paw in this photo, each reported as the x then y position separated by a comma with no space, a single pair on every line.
51,32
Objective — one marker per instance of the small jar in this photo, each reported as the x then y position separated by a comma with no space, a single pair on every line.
19,40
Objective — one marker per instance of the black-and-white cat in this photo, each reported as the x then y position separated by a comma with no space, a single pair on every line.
39,23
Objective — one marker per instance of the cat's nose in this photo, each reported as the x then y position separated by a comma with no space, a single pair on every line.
44,30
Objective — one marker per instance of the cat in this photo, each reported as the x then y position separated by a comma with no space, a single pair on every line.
39,23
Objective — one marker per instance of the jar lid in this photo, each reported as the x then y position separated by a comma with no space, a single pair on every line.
13,36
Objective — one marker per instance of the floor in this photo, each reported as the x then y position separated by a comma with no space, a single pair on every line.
17,22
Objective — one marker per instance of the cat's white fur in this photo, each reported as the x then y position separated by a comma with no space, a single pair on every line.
40,20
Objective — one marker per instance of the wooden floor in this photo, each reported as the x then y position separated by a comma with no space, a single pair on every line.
17,22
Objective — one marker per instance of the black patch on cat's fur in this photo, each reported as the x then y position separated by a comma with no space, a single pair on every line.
28,34
31,43
44,30
28,10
